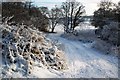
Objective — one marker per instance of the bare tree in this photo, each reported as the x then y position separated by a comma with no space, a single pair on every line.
72,11
55,15
65,10
76,9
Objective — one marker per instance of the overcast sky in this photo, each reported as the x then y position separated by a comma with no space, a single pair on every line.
90,5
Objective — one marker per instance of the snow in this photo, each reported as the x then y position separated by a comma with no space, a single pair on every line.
85,62
82,60
42,73
25,49
85,26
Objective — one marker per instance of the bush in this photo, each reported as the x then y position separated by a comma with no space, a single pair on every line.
24,13
110,33
25,48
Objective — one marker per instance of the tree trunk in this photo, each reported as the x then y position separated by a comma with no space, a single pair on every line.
53,29
52,26
71,16
75,19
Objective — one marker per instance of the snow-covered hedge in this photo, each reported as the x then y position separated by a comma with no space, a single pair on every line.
105,47
23,47
110,32
109,35
101,46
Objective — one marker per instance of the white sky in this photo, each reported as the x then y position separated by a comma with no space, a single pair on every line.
90,5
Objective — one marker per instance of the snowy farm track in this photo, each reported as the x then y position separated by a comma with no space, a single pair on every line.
86,62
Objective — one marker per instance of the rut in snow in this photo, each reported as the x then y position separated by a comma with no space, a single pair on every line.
84,61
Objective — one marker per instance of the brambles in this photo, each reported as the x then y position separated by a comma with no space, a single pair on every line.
23,46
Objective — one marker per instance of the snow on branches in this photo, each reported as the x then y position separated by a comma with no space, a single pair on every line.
23,47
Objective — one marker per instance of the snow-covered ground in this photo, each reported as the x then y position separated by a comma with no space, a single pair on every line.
83,61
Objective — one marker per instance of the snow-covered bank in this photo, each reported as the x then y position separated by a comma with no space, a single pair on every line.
25,51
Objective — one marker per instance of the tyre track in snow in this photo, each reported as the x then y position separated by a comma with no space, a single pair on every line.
86,62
